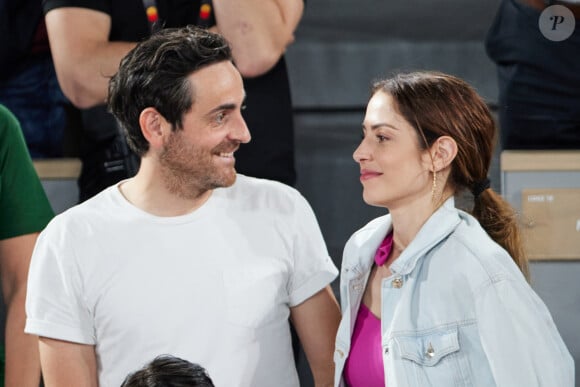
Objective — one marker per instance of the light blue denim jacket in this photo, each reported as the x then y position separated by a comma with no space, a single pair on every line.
455,312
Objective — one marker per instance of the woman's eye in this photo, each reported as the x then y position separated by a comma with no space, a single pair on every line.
381,138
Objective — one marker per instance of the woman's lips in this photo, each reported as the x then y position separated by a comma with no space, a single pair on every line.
366,174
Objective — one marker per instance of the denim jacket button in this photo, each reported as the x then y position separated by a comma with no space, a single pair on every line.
430,351
340,353
397,283
386,350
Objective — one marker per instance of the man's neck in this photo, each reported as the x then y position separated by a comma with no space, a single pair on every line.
151,196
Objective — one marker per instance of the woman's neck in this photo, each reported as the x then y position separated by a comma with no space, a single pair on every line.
407,220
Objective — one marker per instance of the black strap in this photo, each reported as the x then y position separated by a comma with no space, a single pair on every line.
480,186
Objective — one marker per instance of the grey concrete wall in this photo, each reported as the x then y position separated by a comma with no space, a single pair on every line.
341,45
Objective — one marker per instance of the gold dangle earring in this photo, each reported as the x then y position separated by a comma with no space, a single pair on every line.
434,187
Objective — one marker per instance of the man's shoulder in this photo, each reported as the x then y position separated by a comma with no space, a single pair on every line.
90,210
258,186
261,194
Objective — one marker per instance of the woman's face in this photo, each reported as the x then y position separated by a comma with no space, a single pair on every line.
393,169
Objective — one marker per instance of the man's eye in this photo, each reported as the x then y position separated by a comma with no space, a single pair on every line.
381,138
220,117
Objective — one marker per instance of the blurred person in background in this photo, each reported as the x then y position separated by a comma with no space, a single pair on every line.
28,82
25,211
538,70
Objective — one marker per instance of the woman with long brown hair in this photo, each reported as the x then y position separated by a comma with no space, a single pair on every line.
432,295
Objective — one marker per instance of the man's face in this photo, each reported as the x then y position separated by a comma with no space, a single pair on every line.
200,157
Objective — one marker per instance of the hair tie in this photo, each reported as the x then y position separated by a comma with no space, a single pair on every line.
480,186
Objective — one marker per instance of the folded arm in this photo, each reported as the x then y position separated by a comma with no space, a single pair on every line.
258,30
83,56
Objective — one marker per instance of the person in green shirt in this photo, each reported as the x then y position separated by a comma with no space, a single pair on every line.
24,212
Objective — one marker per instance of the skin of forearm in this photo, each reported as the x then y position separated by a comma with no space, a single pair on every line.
258,31
22,359
22,367
85,78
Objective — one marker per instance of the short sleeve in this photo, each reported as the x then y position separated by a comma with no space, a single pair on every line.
55,305
97,5
313,268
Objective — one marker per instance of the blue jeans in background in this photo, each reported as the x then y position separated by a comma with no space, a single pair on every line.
34,96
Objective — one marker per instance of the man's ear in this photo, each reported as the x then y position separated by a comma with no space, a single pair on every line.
443,152
152,126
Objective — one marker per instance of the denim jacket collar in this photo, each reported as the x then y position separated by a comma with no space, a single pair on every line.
439,225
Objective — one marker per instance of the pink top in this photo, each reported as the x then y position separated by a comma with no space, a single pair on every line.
364,366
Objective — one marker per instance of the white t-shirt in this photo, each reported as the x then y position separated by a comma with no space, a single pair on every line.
213,286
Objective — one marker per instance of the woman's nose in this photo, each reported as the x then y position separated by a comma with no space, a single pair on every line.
360,153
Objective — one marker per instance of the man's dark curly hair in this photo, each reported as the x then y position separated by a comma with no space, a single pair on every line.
154,74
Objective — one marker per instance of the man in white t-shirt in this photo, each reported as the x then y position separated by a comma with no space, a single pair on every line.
187,258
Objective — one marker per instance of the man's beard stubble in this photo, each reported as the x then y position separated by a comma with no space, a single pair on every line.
189,171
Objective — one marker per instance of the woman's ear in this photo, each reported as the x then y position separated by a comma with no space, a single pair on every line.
151,122
443,152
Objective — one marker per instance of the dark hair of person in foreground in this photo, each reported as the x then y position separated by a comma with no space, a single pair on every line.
169,371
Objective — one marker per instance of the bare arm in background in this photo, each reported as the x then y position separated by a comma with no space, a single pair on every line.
258,30
83,56
316,321
22,363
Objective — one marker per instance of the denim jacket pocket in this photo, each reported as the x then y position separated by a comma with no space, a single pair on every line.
431,358
428,349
